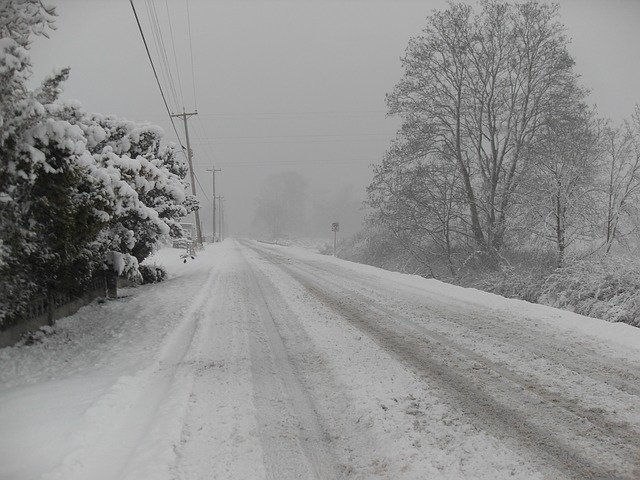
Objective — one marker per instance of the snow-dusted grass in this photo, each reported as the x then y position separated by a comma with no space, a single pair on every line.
604,288
620,333
607,289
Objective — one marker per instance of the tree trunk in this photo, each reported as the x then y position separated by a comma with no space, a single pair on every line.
560,231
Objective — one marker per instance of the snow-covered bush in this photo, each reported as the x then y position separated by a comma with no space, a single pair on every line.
152,273
602,288
79,193
35,151
147,180
514,282
599,287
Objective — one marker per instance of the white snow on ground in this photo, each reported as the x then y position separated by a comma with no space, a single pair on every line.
621,334
60,396
257,361
390,425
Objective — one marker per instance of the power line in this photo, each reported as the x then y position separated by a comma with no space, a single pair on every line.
260,115
211,154
161,48
193,76
301,113
295,162
292,165
303,142
311,135
162,53
155,74
207,143
156,41
164,98
173,46
201,188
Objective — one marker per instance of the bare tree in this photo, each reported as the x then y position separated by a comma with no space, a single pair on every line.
562,189
418,201
476,91
622,178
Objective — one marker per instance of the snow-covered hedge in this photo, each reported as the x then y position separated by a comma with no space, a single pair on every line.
599,287
607,289
152,273
80,193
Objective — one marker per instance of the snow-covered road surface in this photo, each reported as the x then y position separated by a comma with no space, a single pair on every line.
259,361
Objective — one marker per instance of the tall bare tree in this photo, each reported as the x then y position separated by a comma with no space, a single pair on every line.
418,202
622,178
476,90
562,195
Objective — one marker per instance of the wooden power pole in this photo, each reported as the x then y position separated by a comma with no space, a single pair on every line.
213,171
223,222
184,115
220,198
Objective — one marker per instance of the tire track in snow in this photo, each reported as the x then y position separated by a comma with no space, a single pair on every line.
567,353
581,379
341,413
427,355
294,443
497,329
493,337
144,413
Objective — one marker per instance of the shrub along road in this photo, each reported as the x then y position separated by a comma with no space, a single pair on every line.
259,361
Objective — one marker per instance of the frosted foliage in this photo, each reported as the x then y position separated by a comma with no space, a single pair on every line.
80,193
21,19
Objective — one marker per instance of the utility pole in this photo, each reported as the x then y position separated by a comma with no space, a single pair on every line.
223,225
184,115
213,171
220,198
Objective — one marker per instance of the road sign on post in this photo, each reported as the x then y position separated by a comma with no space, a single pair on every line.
335,226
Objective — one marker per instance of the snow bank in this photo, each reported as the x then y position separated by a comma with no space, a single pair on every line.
568,322
108,379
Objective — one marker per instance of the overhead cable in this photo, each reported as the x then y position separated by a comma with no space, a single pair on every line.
155,74
193,76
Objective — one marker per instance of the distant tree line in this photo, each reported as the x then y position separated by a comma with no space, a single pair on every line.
287,207
499,149
80,193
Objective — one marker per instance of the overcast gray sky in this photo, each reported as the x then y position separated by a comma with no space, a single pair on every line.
292,85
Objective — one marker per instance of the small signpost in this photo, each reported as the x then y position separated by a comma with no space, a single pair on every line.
335,226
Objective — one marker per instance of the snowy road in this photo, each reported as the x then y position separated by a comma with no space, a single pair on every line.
259,361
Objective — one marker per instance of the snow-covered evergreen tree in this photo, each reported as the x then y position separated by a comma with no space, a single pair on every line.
79,192
21,163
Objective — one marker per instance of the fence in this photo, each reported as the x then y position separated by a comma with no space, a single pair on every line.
45,310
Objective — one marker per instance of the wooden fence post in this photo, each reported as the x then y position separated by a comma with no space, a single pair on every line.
112,284
50,308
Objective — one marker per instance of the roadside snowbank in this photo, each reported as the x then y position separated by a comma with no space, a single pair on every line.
109,368
568,322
